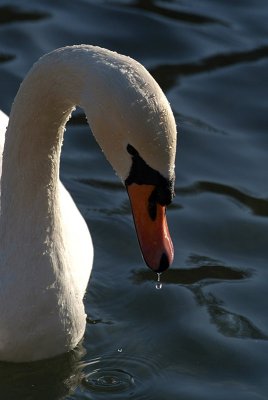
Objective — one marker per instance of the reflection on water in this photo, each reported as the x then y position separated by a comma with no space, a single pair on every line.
49,379
203,336
228,323
256,205
6,57
10,14
152,6
197,280
201,274
167,75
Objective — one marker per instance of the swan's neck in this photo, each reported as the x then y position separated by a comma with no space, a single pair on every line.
41,265
30,200
78,75
122,102
34,138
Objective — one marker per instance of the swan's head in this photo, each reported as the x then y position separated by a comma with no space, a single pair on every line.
134,125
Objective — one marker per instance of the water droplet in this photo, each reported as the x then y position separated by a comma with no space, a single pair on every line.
158,284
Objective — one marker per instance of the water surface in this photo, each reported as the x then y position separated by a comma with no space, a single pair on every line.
204,334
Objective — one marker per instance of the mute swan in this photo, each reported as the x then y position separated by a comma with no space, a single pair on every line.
46,251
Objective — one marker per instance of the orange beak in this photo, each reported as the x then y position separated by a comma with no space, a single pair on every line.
153,234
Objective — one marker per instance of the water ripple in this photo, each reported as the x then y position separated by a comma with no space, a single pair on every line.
107,380
227,322
10,14
121,373
184,16
257,205
167,75
203,273
6,57
102,184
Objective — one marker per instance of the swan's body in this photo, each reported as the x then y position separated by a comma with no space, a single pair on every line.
45,248
3,126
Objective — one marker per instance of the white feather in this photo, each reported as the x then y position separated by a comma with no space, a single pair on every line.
46,251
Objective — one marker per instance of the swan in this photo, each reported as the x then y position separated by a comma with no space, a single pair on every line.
46,251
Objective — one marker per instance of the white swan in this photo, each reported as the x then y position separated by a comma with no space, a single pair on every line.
45,248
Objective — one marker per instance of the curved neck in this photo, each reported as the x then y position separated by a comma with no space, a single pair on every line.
120,99
34,136
30,170
59,81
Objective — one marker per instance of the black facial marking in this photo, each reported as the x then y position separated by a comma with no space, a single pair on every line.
142,174
164,263
152,205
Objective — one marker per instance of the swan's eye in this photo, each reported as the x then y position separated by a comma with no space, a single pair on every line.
131,150
149,193
142,174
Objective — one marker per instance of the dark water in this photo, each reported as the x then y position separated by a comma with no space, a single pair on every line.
204,334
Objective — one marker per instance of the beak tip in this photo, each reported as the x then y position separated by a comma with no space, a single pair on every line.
163,265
